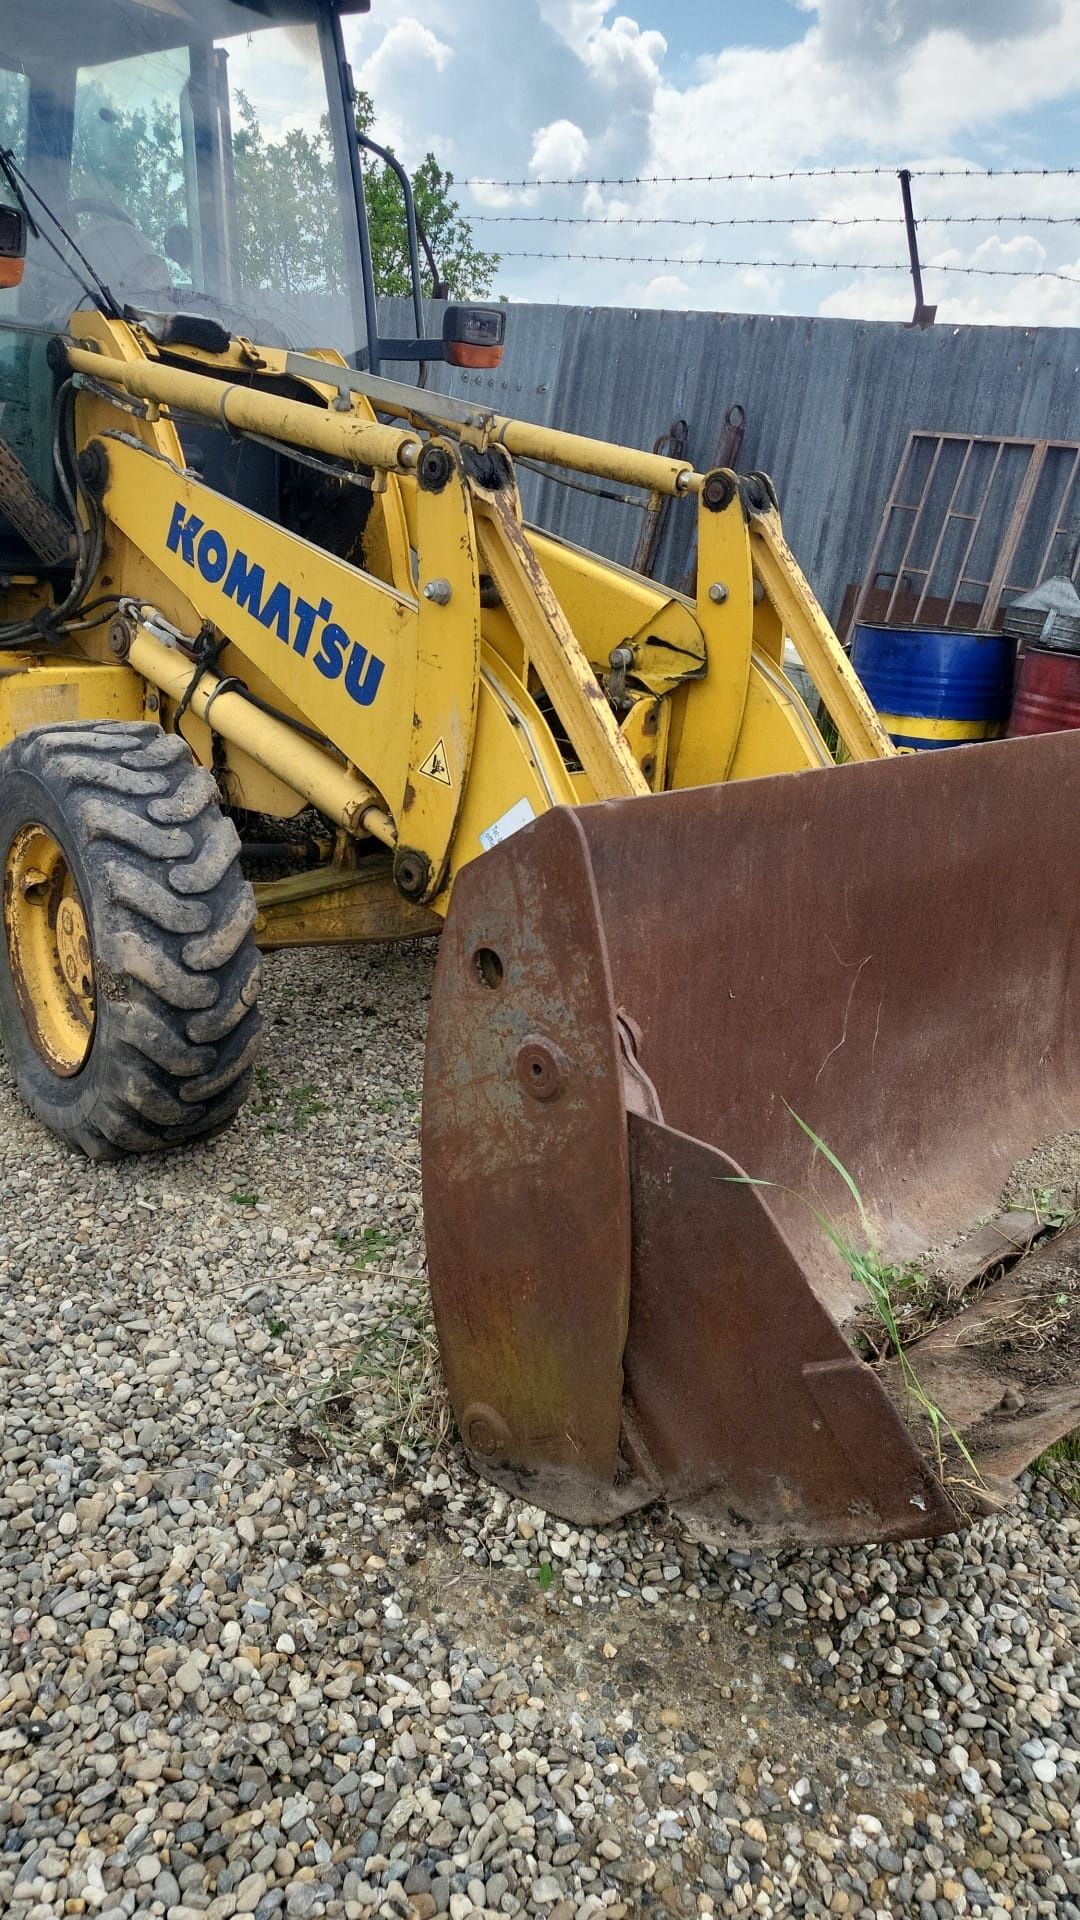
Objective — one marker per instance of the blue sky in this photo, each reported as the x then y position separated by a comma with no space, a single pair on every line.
692,27
529,88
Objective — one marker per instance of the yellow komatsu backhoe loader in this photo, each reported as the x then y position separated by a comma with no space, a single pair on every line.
261,602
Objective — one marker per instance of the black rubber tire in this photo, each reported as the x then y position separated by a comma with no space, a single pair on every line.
170,914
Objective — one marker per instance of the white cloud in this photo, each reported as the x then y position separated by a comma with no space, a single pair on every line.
579,86
877,32
663,290
617,53
559,150
759,280
575,20
1020,251
625,55
799,104
1016,303
489,193
407,41
408,56
870,296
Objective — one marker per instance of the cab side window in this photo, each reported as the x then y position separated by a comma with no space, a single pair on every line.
21,367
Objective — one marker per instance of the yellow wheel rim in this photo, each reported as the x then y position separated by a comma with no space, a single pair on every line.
48,942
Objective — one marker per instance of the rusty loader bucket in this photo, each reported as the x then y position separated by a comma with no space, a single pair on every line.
632,1002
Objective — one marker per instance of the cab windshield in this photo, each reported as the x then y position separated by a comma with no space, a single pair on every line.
197,151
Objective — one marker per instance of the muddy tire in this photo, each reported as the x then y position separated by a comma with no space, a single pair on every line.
128,972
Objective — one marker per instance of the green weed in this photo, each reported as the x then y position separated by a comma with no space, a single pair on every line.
878,1279
1064,1452
292,1108
304,1103
366,1247
390,1102
245,1199
1052,1211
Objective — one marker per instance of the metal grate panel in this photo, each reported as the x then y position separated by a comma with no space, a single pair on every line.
970,518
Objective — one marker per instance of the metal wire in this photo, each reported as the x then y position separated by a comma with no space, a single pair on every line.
800,266
788,173
580,486
774,220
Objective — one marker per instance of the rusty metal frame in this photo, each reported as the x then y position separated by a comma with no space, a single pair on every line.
919,562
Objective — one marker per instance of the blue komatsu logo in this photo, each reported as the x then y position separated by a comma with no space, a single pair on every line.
295,620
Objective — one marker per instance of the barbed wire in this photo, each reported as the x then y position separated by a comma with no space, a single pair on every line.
773,220
799,266
787,173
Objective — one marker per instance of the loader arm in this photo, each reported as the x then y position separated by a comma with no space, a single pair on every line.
400,672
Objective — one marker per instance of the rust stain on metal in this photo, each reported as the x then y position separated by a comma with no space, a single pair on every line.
526,1198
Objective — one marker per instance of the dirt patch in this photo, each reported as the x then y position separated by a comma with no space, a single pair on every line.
1053,1170
1034,1331
696,1687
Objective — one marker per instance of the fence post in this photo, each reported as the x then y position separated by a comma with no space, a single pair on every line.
923,316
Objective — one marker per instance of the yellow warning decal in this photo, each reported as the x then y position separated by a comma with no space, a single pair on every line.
435,765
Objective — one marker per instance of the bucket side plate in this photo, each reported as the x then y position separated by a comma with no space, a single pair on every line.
526,1176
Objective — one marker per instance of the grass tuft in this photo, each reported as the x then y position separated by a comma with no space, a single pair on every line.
367,1247
1053,1213
392,1389
878,1280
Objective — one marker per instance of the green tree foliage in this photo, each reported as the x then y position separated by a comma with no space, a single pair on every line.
289,218
459,265
288,194
132,159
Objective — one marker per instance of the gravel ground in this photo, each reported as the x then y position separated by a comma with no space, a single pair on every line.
262,1654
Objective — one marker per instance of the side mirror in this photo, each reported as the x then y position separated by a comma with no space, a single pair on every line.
473,336
12,245
177,243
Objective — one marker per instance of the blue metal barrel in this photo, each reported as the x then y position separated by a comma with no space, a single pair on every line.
936,688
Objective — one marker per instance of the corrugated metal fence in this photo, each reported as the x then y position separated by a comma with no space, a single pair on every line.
829,405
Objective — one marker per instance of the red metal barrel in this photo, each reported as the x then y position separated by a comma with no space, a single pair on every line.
1047,697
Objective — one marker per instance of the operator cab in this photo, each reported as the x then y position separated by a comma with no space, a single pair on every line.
193,165
198,155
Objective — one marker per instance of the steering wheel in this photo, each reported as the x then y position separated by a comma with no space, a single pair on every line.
101,209
114,244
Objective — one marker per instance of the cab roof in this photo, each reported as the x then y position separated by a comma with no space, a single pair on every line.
98,31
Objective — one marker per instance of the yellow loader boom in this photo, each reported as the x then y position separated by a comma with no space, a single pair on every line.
408,701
